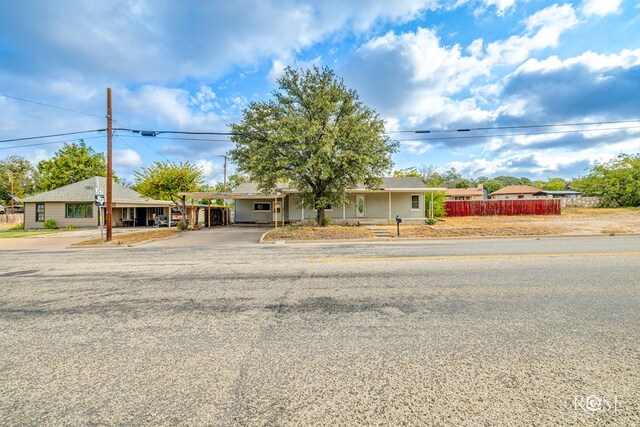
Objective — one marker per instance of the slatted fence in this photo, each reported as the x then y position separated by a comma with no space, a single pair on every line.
503,207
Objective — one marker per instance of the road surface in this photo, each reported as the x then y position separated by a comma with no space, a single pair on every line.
467,332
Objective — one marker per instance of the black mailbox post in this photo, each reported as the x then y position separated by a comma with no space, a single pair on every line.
398,222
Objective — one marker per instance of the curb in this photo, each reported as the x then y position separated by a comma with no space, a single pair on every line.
437,239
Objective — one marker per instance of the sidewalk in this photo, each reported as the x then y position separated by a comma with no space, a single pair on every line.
59,240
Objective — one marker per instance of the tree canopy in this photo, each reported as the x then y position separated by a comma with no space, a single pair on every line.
72,163
24,175
314,134
164,180
617,182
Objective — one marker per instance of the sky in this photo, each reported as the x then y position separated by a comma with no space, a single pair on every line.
512,66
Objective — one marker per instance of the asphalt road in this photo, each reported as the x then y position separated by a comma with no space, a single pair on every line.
480,332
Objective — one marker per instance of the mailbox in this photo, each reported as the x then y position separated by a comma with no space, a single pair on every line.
398,222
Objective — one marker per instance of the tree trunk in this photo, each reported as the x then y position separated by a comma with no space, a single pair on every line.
320,216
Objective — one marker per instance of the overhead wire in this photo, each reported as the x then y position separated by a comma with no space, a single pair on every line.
51,106
48,143
517,134
52,135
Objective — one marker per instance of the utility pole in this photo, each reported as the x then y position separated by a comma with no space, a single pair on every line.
225,173
224,189
109,165
12,195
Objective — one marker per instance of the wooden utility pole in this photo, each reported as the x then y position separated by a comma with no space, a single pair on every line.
225,174
109,166
12,195
224,189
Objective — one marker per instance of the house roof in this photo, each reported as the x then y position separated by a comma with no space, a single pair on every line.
249,190
475,191
388,183
517,189
84,191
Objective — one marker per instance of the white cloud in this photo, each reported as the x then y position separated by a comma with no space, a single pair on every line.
600,7
417,147
128,157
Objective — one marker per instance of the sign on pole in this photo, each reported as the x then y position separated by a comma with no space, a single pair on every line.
100,200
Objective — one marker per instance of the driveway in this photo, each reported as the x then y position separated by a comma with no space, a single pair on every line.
216,236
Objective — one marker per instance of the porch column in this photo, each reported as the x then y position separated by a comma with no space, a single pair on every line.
344,212
389,204
302,217
282,210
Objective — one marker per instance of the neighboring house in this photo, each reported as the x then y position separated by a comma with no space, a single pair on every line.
564,194
396,196
518,192
475,193
74,205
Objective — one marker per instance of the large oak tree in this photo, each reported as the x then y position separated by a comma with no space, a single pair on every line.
316,135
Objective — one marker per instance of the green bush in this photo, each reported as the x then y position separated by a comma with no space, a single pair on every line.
50,224
180,225
438,204
70,227
17,227
326,221
431,221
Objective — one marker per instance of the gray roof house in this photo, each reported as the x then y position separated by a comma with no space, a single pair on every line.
74,204
403,196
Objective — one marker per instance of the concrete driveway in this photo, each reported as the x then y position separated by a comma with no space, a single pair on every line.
231,235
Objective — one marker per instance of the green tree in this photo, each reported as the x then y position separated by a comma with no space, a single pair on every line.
555,184
232,182
72,163
617,182
408,172
24,176
493,185
314,134
164,180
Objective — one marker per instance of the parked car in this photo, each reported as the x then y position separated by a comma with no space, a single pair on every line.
161,221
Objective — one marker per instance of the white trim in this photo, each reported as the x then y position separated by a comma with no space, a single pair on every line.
344,211
412,208
389,204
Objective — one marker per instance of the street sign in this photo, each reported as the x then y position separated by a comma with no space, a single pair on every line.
100,200
99,190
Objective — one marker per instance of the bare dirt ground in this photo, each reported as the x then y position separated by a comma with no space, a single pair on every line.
332,232
132,238
572,222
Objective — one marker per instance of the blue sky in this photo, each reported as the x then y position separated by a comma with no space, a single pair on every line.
421,64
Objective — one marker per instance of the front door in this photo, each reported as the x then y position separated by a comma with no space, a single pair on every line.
361,210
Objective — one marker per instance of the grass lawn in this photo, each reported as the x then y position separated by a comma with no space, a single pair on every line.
14,234
131,238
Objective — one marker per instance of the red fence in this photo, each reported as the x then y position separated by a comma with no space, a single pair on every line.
502,207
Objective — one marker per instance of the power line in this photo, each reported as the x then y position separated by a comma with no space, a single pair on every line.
52,135
178,138
518,127
51,106
518,134
47,143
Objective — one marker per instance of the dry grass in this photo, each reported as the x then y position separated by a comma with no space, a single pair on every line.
132,238
573,221
331,232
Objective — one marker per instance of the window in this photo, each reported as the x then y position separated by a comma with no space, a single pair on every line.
79,210
415,202
39,212
262,206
